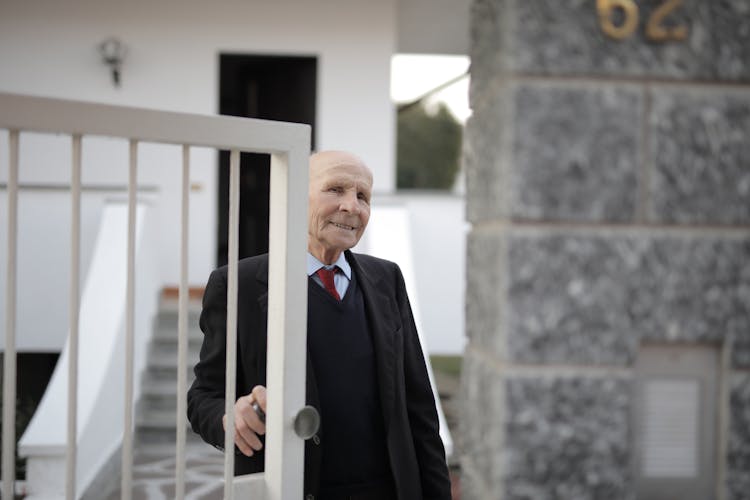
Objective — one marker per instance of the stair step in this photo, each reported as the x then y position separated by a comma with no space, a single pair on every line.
158,403
160,374
149,437
167,319
173,304
163,388
170,340
170,332
165,355
152,418
156,409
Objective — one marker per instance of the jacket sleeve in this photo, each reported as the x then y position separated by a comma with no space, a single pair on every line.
420,403
206,395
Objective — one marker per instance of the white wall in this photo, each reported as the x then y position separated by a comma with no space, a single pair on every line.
43,255
433,26
439,243
433,256
48,47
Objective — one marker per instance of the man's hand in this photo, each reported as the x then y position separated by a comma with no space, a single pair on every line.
247,424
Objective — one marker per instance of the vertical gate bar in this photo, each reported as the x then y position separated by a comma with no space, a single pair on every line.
231,362
287,322
9,358
75,252
182,334
127,440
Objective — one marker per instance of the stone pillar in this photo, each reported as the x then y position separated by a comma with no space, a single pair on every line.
609,199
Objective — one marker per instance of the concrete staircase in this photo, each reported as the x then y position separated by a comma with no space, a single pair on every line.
156,410
154,460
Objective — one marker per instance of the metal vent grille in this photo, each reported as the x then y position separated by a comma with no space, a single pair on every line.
674,422
670,431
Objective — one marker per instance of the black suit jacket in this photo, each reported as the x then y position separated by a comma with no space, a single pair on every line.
411,425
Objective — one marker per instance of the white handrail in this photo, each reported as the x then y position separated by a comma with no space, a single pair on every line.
42,114
289,146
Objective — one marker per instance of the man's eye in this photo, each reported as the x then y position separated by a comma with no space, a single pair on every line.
335,189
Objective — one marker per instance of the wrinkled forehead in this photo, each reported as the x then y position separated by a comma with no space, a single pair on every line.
338,164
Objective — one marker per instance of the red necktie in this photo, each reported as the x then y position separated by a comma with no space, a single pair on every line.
326,276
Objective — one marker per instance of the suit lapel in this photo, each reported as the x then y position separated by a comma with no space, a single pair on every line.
380,313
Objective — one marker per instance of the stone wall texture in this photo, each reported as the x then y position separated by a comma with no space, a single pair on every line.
738,458
609,196
700,145
567,438
584,168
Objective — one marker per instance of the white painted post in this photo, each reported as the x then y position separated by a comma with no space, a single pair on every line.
287,322
127,437
9,358
231,355
182,336
75,252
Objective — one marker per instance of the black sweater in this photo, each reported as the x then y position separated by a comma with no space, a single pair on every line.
343,359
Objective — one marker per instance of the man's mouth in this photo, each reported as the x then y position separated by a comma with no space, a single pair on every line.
343,226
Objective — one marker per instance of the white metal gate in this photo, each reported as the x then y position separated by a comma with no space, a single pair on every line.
289,146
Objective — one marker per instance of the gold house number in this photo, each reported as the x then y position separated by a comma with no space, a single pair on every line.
655,30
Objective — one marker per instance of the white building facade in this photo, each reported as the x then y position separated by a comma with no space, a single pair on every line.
50,49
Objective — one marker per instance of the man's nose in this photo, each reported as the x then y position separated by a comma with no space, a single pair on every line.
349,203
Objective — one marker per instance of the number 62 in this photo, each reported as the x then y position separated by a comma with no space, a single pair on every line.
655,30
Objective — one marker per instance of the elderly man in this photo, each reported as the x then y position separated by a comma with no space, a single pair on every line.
366,374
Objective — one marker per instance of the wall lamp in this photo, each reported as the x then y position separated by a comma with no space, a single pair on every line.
113,53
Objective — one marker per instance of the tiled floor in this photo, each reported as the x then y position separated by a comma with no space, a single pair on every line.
154,473
154,468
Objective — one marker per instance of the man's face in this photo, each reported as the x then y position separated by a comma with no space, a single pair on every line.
339,209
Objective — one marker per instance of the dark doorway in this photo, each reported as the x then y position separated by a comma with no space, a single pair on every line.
272,88
34,371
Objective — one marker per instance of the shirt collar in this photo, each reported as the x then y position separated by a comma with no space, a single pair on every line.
313,264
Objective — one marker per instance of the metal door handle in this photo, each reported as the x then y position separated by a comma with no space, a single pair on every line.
307,422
